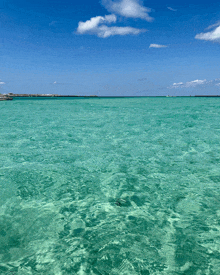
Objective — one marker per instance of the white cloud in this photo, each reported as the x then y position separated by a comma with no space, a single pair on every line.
178,84
97,25
189,84
157,46
105,31
93,24
210,36
169,8
195,83
128,8
2,83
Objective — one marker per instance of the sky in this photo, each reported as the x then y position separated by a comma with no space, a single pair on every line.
110,47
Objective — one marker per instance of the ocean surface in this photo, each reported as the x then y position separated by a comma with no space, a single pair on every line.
110,186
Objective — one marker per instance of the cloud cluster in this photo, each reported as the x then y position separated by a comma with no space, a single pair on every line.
92,24
128,8
197,82
189,84
99,25
213,35
157,46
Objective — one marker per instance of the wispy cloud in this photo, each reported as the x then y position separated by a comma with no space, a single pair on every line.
2,83
169,8
213,35
97,25
128,8
52,23
110,31
60,83
213,25
189,84
142,79
195,83
157,46
178,84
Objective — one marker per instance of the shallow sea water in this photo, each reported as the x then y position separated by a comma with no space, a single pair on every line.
114,186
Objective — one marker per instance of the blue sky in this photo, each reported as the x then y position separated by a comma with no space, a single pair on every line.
109,47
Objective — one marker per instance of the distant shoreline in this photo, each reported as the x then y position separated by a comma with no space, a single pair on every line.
10,96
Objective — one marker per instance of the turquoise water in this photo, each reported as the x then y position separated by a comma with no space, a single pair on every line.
110,186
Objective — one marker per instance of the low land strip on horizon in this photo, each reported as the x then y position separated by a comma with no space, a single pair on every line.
10,96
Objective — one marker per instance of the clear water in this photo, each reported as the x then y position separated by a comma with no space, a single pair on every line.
110,186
